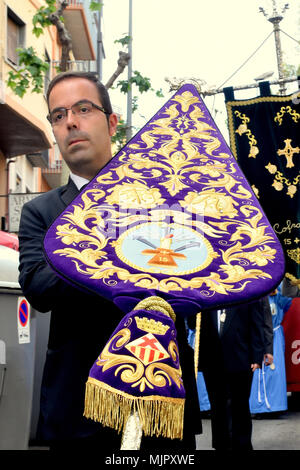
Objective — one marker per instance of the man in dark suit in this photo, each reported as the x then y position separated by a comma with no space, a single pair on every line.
268,330
81,323
231,348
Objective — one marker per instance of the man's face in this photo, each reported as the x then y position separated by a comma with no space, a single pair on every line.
84,141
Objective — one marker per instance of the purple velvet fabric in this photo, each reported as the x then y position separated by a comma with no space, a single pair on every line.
170,215
143,347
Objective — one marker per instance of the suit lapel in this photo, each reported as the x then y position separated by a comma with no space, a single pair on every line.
69,192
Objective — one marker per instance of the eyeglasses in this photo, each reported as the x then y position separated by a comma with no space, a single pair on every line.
81,108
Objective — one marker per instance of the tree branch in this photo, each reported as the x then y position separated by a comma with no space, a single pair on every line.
63,34
123,60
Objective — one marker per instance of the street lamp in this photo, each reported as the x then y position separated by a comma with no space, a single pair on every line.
275,17
129,94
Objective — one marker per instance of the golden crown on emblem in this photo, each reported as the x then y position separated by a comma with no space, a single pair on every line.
151,325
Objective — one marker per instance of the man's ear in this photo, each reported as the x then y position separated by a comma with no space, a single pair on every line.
113,122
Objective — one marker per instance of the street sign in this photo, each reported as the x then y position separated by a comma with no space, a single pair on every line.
15,204
23,320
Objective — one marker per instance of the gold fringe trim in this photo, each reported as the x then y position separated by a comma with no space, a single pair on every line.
159,416
156,303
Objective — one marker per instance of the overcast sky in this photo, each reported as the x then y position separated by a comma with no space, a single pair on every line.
206,39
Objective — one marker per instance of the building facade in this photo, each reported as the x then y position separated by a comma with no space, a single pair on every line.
30,162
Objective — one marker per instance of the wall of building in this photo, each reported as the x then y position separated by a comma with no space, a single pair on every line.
23,177
16,15
3,185
35,103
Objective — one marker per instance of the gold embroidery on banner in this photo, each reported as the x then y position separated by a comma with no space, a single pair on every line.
294,255
293,279
186,99
262,99
255,190
286,109
280,181
133,371
243,129
288,152
151,325
175,165
250,229
210,203
134,195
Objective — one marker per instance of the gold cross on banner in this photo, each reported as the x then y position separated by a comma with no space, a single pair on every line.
288,152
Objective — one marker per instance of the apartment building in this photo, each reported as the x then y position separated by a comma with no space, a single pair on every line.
30,162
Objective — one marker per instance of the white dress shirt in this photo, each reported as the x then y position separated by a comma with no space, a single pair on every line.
221,315
79,181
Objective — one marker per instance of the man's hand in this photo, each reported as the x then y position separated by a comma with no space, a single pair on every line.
268,359
254,367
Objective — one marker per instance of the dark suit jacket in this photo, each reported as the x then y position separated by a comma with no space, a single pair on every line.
268,324
81,324
241,343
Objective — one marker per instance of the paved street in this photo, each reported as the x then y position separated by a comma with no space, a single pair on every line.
280,433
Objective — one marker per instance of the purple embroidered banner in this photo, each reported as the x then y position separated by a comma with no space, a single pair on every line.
171,215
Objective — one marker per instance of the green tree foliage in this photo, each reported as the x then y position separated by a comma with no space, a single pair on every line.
30,72
31,68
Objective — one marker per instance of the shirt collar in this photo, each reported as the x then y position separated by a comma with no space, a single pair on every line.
79,181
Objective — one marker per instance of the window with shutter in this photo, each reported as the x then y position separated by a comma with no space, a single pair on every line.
15,36
12,41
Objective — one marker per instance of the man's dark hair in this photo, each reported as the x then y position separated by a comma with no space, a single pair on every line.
102,91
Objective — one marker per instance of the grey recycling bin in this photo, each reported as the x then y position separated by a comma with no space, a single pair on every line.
23,339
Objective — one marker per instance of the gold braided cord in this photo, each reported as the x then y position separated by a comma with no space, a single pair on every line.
158,304
197,343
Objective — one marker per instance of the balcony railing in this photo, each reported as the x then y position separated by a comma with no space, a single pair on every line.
54,167
75,3
78,65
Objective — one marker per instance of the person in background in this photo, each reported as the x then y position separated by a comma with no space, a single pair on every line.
267,360
290,288
231,349
269,391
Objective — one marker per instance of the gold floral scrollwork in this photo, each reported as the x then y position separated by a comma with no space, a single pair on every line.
225,281
281,181
133,371
134,195
286,109
255,190
294,255
186,99
243,129
210,203
144,176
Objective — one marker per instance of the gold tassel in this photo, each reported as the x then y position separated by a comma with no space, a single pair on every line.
197,344
159,416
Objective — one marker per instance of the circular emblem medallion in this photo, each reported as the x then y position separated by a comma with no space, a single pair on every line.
158,247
